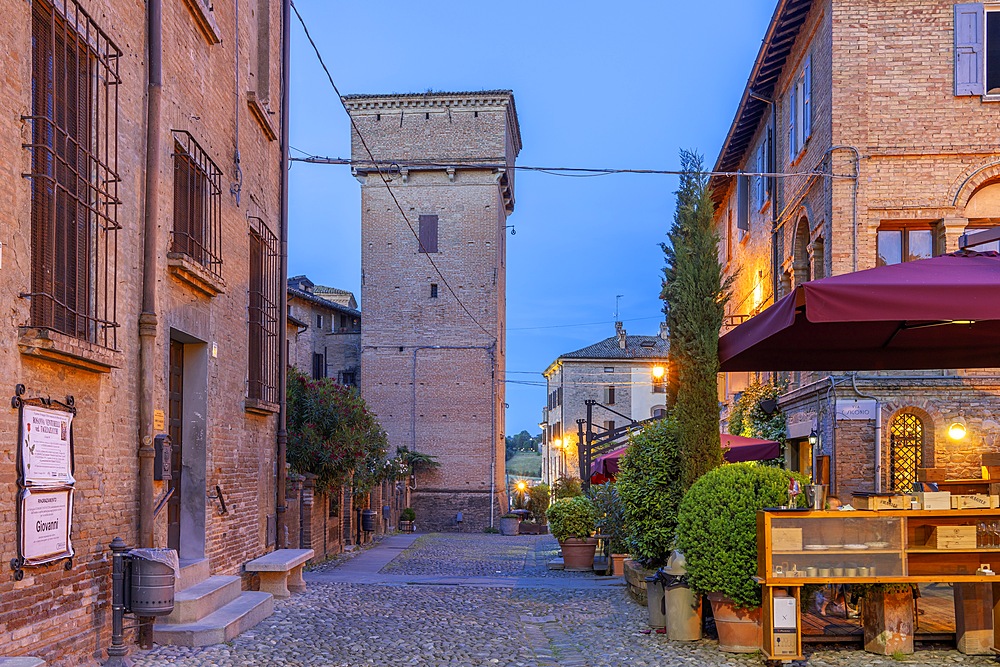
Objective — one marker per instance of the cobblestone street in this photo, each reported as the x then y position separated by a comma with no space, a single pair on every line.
472,600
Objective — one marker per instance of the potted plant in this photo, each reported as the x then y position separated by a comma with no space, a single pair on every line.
538,502
509,523
572,522
887,617
717,533
406,519
611,524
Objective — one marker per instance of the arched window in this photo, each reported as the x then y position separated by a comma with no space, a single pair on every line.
906,440
801,272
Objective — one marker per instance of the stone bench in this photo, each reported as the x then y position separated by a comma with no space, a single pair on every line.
281,571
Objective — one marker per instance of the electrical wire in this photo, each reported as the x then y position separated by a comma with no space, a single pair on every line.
585,324
382,175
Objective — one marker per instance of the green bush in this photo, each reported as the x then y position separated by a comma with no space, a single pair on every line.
572,517
649,483
610,516
538,501
408,515
717,527
568,487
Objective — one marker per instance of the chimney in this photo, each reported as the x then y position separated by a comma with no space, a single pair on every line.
664,333
620,330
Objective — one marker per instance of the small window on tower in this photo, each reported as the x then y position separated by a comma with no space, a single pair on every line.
434,290
319,321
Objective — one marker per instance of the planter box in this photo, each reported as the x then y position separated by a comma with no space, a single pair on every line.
509,525
578,554
740,630
635,580
533,528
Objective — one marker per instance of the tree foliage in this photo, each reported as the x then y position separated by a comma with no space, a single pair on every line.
333,435
522,442
649,484
695,295
749,419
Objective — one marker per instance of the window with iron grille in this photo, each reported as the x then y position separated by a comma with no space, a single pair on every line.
263,313
197,205
906,440
74,174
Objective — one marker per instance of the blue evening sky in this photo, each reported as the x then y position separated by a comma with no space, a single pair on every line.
596,83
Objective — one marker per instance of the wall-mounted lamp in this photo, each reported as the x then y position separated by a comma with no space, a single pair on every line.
958,429
813,437
557,443
659,371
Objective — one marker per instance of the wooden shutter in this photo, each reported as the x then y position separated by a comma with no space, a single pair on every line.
807,99
428,233
793,110
743,202
969,37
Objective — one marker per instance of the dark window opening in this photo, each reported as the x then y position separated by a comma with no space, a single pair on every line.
319,321
609,425
428,234
265,280
74,174
434,290
349,379
992,53
197,230
609,395
319,366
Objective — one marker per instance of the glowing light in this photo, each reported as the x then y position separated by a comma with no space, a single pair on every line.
957,431
557,443
521,485
659,371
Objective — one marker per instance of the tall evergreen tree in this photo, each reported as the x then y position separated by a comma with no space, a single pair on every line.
694,295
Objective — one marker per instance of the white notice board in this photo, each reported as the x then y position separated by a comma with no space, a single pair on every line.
46,451
45,518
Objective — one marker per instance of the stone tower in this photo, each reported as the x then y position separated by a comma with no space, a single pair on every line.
433,264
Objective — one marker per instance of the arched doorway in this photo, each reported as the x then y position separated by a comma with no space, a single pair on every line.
906,442
801,272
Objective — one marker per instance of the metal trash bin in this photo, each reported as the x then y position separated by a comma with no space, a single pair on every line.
655,602
683,607
152,577
368,520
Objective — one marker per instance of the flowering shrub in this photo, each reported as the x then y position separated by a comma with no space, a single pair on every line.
333,435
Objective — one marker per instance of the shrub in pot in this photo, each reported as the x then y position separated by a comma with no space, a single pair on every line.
572,521
717,532
567,487
509,524
611,523
406,519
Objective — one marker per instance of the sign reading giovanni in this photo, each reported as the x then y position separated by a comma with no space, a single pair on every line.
46,446
45,517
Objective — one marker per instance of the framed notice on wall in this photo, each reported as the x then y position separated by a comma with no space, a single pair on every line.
46,482
45,519
46,447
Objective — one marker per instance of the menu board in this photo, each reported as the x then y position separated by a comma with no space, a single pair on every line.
46,452
45,518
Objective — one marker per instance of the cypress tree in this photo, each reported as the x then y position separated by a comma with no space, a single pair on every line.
694,295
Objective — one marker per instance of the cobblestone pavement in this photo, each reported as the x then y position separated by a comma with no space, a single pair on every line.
473,600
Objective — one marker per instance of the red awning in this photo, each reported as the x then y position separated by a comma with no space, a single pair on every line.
736,448
942,312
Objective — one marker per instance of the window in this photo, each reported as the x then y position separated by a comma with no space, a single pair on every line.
982,247
762,165
319,322
74,174
800,111
349,379
264,277
977,49
319,366
261,64
434,290
197,205
906,441
428,233
609,369
343,321
559,396
660,384
609,425
904,244
609,395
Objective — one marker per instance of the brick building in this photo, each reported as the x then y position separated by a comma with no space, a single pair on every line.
433,261
866,129
618,373
326,340
168,331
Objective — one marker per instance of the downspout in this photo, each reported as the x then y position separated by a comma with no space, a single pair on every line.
878,432
833,435
281,537
147,317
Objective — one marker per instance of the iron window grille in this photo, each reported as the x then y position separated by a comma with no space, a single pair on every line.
197,231
74,174
265,282
906,440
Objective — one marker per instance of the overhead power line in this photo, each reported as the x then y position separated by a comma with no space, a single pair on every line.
382,175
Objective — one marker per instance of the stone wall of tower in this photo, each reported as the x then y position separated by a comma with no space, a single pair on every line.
433,337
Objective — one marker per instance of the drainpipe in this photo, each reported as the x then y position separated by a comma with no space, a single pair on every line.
147,317
854,200
281,537
878,432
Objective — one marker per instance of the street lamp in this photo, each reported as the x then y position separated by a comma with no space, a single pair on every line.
813,437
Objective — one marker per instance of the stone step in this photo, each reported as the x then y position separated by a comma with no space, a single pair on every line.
192,572
202,599
246,611
24,661
556,564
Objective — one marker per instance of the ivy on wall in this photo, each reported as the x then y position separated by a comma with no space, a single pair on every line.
756,415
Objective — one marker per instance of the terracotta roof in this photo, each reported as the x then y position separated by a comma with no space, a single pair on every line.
320,301
429,93
654,348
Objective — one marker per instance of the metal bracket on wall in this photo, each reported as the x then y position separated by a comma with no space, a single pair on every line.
222,500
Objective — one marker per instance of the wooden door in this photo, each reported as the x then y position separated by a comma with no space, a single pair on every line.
175,398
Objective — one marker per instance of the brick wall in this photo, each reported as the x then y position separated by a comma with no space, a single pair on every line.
64,616
429,368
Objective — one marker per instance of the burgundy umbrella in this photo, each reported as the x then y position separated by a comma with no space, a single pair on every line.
736,448
942,312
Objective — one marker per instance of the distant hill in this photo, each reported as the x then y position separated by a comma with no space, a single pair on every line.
525,464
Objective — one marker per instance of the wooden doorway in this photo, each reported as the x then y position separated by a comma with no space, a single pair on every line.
175,401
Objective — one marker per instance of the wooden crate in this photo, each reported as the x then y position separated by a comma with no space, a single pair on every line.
880,503
934,500
931,474
786,539
991,459
952,537
979,501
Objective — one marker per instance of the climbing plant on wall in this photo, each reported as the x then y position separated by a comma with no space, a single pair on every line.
756,414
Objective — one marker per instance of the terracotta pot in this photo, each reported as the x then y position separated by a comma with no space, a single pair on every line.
739,629
578,554
888,622
618,564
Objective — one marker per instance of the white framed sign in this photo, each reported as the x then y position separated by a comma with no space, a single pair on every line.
46,446
853,409
46,516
